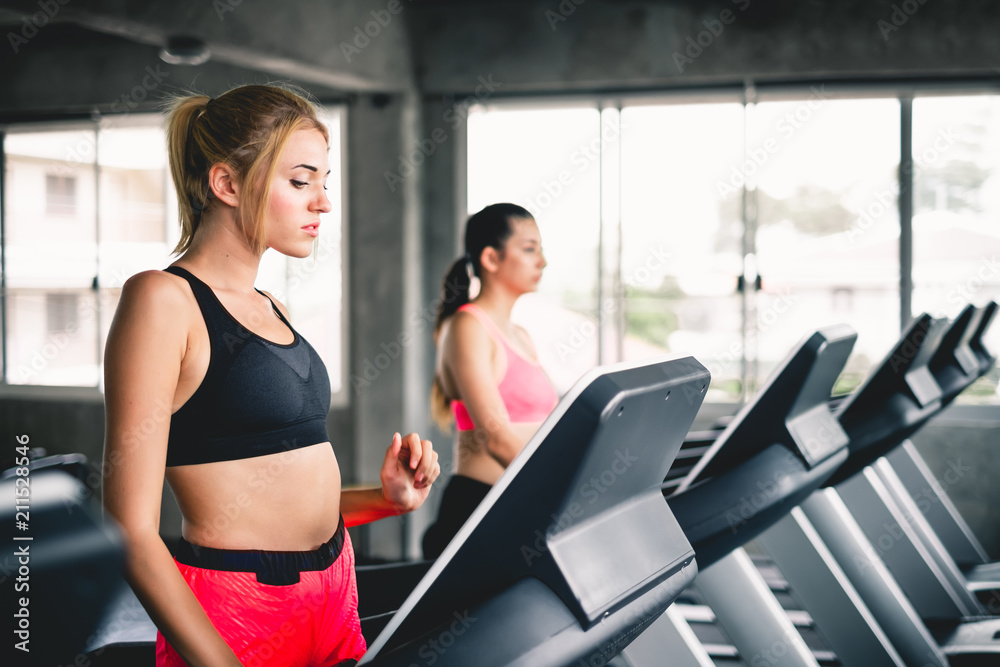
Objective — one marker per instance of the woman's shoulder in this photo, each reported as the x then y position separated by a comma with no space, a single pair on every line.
156,283
154,279
153,292
469,320
154,315
465,330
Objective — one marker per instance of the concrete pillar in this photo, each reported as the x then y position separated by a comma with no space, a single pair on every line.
443,140
384,265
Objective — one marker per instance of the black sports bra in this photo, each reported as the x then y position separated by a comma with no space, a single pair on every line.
257,398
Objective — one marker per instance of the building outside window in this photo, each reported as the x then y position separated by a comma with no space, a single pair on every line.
730,230
87,205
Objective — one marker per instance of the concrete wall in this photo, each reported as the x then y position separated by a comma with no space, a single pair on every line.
590,45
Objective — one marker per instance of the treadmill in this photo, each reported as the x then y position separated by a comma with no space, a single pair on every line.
574,551
779,448
956,364
926,570
725,491
942,515
62,565
861,555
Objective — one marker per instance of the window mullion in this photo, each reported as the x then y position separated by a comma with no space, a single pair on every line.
3,259
905,176
610,297
96,284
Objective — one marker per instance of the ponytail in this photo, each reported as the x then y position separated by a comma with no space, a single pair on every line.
454,295
187,166
454,290
440,406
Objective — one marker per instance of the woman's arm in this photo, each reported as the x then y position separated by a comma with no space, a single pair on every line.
409,468
146,345
467,352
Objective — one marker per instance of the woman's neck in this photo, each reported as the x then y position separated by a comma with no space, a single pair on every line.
497,302
220,255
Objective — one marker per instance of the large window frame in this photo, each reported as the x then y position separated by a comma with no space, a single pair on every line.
337,342
610,323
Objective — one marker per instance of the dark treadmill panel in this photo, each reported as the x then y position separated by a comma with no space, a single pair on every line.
896,399
984,356
576,536
791,408
912,358
61,559
954,364
736,506
778,449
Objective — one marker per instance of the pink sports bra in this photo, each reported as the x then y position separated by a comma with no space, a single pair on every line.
525,389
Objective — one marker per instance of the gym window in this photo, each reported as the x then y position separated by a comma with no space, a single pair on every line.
86,205
728,229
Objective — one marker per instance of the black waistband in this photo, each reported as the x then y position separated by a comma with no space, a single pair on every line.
277,568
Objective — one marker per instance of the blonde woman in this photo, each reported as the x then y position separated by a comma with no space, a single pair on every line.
210,386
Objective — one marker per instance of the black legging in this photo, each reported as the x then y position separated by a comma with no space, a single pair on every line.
461,497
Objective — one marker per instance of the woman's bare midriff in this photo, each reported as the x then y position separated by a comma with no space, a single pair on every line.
473,460
288,501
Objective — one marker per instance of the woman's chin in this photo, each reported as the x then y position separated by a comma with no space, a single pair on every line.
294,251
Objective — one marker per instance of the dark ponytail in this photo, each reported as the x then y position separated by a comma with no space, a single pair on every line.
489,228
454,290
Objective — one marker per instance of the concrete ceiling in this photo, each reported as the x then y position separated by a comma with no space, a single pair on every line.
64,56
72,54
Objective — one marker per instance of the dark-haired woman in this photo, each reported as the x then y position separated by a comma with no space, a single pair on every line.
209,385
487,375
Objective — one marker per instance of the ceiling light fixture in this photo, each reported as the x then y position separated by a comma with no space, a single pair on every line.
182,50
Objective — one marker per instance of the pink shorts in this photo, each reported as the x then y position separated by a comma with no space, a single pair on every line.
278,609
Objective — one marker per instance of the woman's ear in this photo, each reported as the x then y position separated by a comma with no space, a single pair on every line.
223,184
489,259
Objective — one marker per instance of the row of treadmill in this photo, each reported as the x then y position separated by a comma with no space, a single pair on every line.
615,510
